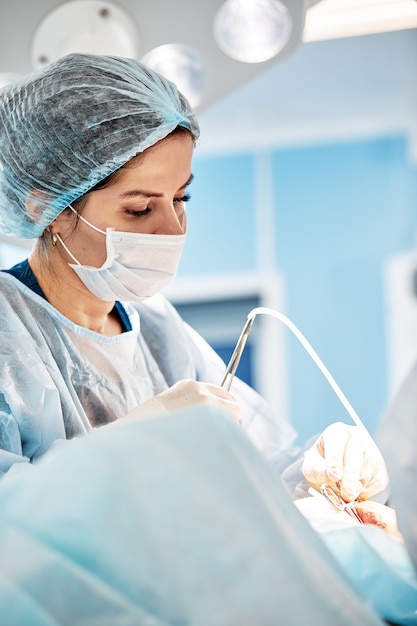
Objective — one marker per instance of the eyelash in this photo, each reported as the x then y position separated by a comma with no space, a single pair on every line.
185,198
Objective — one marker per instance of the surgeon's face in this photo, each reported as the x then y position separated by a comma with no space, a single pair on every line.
147,196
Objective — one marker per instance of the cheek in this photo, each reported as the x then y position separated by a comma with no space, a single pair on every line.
100,255
88,248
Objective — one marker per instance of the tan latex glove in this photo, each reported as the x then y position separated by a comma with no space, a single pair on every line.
183,394
346,458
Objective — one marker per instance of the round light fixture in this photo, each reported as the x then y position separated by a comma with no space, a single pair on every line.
181,65
85,26
252,31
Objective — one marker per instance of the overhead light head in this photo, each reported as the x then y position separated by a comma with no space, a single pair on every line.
182,65
252,31
85,26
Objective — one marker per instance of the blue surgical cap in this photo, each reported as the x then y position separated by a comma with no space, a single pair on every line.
66,127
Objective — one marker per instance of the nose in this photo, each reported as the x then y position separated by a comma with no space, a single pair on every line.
172,222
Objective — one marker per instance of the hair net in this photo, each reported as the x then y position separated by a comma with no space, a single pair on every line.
66,127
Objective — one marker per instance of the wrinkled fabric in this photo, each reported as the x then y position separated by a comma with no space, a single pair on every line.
376,561
67,126
171,520
380,567
59,380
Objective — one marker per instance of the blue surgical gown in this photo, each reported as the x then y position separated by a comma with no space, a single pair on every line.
60,380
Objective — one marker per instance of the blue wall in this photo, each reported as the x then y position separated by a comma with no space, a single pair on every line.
220,217
340,210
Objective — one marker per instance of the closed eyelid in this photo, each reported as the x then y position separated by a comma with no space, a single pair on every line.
184,197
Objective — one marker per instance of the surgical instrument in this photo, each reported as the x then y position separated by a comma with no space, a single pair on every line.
338,503
237,353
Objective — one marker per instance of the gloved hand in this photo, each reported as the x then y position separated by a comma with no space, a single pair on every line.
183,394
346,458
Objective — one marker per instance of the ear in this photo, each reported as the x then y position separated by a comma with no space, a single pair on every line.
53,227
62,222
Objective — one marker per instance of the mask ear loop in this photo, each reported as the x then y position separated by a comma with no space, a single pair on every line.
67,250
57,237
102,232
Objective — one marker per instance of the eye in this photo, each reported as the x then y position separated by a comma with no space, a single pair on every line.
138,213
185,198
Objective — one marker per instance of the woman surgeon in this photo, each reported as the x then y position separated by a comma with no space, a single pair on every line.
95,162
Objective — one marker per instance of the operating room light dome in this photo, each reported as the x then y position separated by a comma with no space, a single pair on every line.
182,65
84,26
252,31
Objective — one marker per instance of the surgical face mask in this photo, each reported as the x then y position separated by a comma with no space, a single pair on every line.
138,265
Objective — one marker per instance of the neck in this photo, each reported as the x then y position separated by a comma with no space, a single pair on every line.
64,290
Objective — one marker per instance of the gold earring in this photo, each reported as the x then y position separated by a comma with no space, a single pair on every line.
52,236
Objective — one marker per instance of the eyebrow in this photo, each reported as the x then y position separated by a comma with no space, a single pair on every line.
144,193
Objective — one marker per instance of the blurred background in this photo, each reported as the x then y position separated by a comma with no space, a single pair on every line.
305,190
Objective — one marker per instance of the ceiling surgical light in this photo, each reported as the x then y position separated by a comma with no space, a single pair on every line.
182,65
252,31
85,26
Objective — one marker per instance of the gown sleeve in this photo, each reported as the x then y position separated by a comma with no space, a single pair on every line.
34,401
